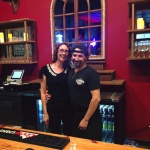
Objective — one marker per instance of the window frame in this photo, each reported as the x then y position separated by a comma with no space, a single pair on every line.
52,27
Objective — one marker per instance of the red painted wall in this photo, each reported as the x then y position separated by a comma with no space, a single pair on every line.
137,74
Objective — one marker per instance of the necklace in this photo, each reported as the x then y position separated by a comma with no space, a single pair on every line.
56,68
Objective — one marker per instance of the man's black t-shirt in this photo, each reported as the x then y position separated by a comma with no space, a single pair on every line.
80,85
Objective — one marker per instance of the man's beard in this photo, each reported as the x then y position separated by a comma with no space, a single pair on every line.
77,64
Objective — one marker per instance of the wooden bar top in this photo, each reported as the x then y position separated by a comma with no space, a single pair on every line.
74,144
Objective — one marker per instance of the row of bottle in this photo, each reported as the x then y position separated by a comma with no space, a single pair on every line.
107,112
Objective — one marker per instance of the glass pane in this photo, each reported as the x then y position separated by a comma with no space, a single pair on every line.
95,18
69,6
70,35
70,21
83,19
72,44
95,4
58,22
83,35
58,7
146,15
95,48
59,37
95,34
82,5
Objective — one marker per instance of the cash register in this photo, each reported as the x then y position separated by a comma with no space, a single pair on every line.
14,82
16,77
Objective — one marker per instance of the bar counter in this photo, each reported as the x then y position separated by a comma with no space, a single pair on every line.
74,144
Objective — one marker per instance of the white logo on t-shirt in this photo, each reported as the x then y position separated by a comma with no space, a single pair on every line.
80,81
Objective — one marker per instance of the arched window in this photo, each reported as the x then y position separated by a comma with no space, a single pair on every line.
79,21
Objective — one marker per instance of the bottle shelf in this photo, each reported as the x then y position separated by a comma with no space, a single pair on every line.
18,42
139,32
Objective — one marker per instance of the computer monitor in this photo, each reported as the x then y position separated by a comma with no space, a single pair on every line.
17,75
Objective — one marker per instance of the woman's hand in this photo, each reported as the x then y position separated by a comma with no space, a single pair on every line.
46,119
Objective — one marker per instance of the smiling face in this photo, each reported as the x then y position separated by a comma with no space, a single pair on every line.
78,58
63,52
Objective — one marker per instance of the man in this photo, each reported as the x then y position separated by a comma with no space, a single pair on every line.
84,91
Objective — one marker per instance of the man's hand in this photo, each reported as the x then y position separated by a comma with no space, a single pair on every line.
83,124
48,96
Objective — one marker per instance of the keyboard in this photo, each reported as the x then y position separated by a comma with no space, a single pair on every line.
34,138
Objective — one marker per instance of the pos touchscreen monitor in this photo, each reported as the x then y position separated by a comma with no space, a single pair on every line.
16,76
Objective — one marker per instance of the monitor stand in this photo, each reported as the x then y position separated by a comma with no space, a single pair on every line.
17,81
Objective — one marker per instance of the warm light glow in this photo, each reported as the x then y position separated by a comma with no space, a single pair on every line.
24,36
1,37
9,37
140,23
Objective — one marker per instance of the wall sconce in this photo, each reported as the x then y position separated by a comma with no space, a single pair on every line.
14,3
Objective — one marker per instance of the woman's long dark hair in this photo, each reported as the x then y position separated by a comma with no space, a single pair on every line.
55,56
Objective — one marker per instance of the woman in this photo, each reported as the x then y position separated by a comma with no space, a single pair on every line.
54,79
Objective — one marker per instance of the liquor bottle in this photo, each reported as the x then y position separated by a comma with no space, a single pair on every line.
110,118
105,117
